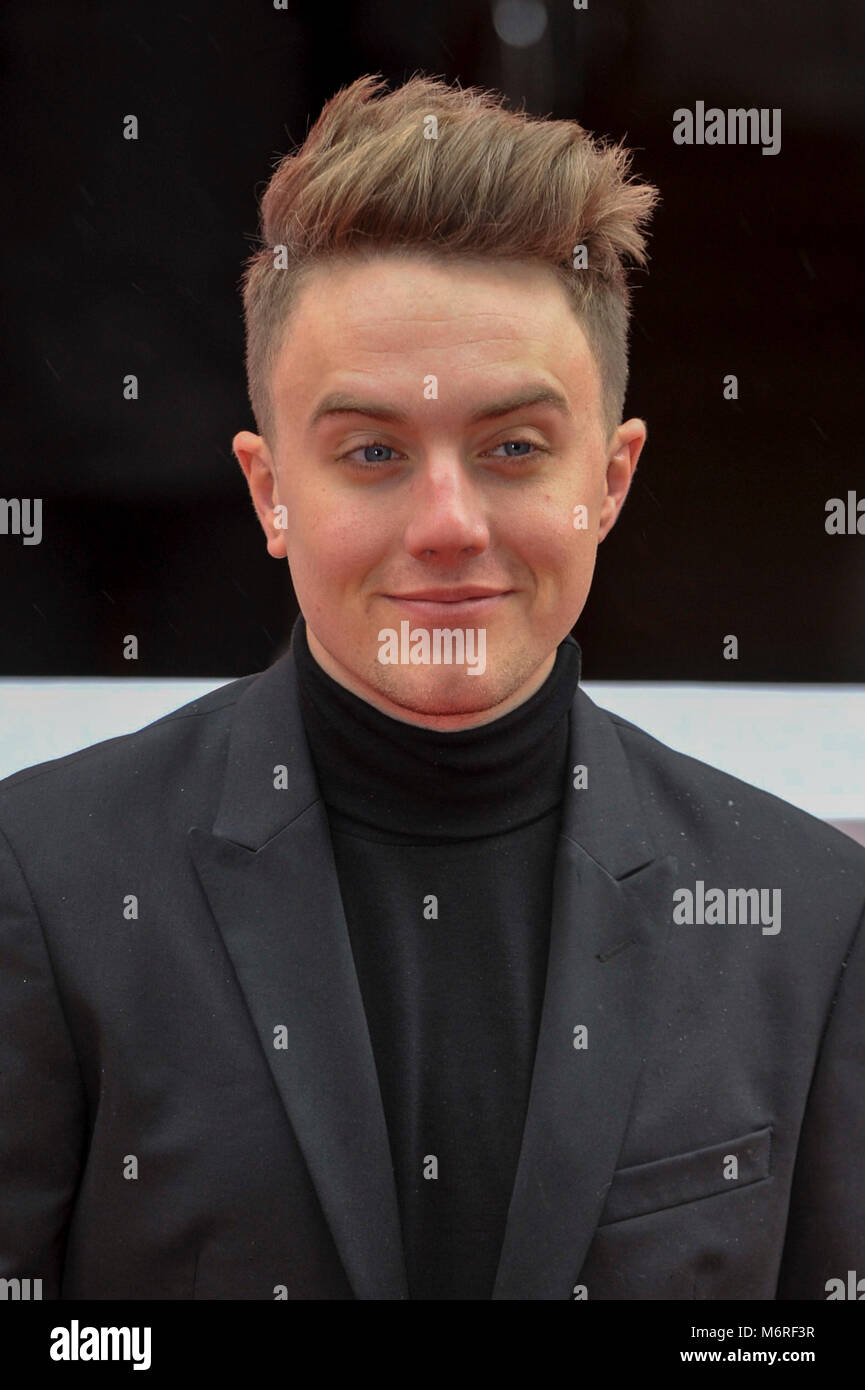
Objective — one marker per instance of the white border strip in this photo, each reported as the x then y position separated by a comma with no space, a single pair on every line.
804,743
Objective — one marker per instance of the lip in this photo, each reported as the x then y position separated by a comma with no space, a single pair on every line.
455,595
438,603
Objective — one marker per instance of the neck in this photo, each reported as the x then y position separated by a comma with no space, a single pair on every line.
417,782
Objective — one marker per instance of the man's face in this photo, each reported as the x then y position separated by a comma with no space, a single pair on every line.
411,480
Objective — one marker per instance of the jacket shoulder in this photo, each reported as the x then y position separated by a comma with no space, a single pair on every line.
174,741
687,796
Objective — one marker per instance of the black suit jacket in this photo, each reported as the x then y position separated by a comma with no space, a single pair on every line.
189,1105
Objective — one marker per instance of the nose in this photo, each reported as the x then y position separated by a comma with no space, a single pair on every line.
448,517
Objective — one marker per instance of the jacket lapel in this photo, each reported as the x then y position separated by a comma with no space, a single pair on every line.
268,871
612,908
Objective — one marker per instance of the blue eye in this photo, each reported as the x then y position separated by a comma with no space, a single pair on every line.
369,464
379,450
521,443
368,447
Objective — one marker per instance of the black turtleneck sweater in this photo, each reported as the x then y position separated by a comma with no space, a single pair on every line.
445,845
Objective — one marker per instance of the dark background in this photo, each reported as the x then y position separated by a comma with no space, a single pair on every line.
124,256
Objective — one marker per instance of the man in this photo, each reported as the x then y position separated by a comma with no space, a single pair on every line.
401,970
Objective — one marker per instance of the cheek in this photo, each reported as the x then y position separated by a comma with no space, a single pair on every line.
543,533
331,550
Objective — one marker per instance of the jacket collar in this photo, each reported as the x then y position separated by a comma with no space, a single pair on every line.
268,870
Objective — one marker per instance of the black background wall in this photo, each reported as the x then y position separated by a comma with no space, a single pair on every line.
124,256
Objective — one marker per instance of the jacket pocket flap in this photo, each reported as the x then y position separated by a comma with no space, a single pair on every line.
670,1182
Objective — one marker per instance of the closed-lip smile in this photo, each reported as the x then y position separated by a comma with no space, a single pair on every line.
459,595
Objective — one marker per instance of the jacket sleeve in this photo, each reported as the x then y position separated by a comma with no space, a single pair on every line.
826,1221
42,1102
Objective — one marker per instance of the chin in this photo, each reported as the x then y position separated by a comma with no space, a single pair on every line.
470,695
442,707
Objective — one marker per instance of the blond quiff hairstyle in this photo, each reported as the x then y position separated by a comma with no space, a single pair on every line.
494,183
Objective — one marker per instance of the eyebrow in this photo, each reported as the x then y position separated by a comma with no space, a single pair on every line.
341,403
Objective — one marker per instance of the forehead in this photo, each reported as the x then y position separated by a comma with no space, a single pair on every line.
394,319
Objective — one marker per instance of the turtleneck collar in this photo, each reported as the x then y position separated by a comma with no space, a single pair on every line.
407,782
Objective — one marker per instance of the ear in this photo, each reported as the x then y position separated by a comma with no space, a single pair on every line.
623,452
254,457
